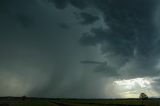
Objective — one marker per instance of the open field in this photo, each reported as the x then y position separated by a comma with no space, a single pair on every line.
12,101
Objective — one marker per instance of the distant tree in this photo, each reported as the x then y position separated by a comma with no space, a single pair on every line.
143,96
24,98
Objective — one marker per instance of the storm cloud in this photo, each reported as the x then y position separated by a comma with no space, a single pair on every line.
130,42
43,46
131,34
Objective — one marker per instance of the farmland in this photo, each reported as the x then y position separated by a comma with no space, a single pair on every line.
12,101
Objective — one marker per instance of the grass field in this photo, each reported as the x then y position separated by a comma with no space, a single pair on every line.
77,102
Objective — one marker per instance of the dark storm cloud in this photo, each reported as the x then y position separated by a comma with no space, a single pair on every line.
130,25
39,50
88,18
29,46
40,56
131,33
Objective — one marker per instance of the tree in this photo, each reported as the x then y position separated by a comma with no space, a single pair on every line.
24,98
143,96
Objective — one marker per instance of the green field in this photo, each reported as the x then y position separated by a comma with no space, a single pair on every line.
77,102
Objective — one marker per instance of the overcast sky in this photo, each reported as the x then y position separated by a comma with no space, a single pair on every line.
79,48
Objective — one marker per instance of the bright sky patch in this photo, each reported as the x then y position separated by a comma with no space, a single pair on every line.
131,88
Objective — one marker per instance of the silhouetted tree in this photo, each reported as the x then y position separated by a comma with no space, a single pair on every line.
24,98
143,96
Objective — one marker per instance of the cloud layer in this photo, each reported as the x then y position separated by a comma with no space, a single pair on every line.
43,44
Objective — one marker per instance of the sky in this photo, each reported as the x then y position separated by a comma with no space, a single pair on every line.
80,48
